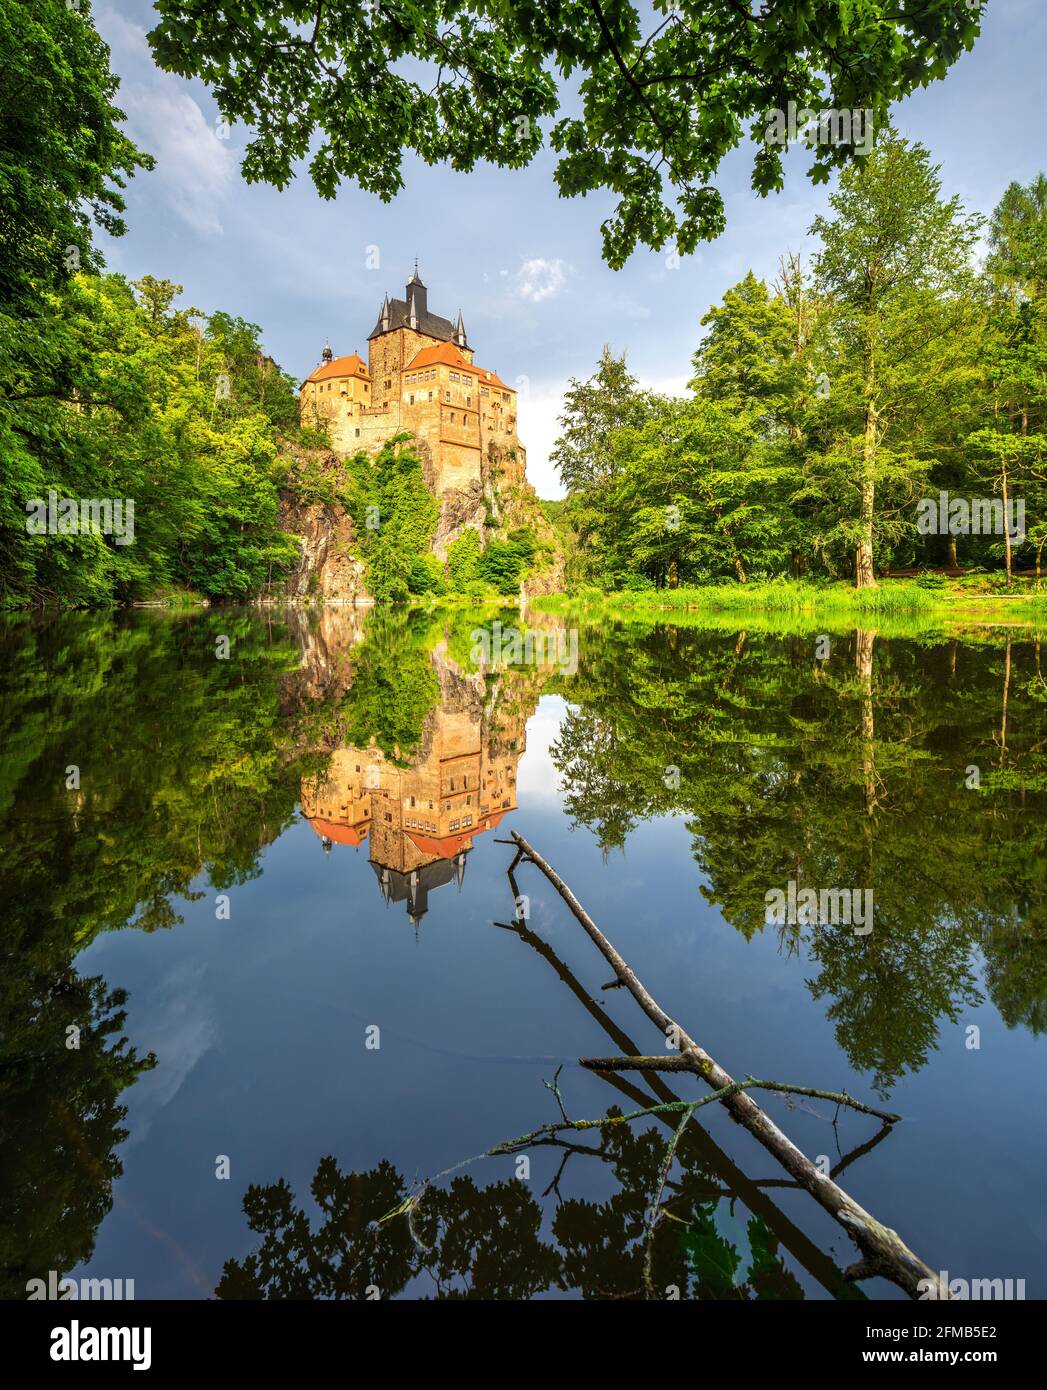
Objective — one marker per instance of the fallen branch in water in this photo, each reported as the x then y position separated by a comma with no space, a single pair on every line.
883,1251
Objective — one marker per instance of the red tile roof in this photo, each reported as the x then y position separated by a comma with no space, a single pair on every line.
447,355
339,833
353,365
447,846
441,846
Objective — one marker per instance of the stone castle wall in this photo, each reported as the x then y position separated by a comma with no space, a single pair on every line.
456,423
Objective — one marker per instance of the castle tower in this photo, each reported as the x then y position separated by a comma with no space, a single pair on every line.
419,379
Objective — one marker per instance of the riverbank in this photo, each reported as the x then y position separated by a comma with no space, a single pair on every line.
965,602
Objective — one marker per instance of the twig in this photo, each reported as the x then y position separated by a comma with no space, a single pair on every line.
678,1063
652,1214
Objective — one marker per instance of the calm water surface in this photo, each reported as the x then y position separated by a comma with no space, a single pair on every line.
261,973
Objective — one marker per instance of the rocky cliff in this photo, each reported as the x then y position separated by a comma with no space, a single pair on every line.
329,569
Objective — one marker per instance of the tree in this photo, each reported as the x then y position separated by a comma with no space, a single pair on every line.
895,262
588,454
123,397
1012,450
63,157
702,496
658,106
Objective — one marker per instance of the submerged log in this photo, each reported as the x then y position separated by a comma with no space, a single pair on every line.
883,1251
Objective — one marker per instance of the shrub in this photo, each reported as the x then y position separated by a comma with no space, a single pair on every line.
462,558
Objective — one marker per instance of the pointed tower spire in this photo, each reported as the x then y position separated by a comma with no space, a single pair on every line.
417,295
386,312
459,332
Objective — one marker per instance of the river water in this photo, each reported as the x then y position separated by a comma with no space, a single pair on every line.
265,974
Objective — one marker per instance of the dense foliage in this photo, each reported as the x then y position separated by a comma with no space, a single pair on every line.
135,399
851,769
650,104
109,392
825,408
394,516
497,567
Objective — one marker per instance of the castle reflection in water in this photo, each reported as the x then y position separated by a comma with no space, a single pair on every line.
419,822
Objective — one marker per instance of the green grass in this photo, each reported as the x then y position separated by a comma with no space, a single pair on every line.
796,604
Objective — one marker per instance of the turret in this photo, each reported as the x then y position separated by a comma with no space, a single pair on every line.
459,332
417,297
327,354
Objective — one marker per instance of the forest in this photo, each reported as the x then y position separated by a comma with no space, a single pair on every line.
842,419
897,369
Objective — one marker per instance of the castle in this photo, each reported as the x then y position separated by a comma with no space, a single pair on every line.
419,822
419,378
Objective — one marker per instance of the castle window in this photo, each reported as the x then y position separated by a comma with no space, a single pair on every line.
358,434
452,417
505,395
447,395
468,400
412,400
485,391
388,383
430,395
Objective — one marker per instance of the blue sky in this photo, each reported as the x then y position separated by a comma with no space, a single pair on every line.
521,263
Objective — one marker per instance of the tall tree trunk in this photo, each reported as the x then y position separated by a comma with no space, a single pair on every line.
863,663
953,562
864,575
1004,702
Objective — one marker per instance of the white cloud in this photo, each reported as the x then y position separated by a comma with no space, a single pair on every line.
539,409
539,279
126,40
194,168
182,1030
537,780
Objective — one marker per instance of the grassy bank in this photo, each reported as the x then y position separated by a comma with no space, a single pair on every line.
964,602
